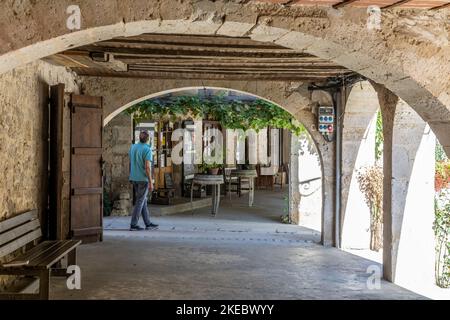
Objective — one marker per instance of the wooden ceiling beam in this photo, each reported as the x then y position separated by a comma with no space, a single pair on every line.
197,39
131,57
239,63
237,70
197,53
242,65
193,41
187,46
79,60
133,48
212,59
205,76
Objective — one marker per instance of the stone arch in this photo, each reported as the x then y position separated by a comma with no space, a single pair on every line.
119,94
358,151
117,111
390,57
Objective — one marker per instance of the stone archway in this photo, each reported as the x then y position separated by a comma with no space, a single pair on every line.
390,57
120,94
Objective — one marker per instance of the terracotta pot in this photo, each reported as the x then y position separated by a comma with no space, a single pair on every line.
213,171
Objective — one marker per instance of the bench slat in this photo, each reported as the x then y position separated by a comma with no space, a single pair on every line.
19,296
18,220
37,251
19,231
55,255
20,242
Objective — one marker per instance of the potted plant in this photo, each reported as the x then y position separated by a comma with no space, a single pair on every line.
210,168
214,169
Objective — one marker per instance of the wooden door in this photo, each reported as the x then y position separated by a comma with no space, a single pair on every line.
86,201
55,223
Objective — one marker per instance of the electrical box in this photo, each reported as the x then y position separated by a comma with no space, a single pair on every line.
325,120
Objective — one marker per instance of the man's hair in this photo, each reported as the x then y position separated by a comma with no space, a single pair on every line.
143,136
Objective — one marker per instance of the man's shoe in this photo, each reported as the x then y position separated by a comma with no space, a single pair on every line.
136,228
151,226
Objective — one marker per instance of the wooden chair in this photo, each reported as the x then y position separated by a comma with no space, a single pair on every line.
281,176
266,177
41,260
164,195
234,181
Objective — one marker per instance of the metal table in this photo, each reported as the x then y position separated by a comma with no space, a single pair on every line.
211,180
250,174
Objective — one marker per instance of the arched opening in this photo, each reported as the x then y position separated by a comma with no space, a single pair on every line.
277,193
362,170
413,171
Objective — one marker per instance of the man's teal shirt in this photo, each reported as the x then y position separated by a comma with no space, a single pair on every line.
139,153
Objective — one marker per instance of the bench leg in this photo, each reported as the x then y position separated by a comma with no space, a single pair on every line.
72,257
44,284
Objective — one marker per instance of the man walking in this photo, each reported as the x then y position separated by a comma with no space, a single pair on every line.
141,176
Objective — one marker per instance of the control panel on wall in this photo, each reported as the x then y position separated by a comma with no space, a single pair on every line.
326,120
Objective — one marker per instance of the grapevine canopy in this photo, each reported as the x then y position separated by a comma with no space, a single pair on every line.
230,113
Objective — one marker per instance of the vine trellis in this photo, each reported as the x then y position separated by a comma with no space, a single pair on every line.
232,114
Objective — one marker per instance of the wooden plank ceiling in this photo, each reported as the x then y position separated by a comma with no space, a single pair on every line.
196,57
383,4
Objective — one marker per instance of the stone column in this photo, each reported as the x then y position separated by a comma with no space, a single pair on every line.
294,192
388,102
408,206
326,155
117,136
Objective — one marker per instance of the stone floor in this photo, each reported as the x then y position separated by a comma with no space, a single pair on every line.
243,253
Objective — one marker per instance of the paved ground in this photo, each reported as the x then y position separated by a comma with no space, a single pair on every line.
240,254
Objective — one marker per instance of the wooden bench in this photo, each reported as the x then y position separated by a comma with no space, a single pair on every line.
41,260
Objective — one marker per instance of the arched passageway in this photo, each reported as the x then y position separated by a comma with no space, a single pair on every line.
118,129
393,58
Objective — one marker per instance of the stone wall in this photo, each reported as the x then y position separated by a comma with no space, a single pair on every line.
23,145
117,137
